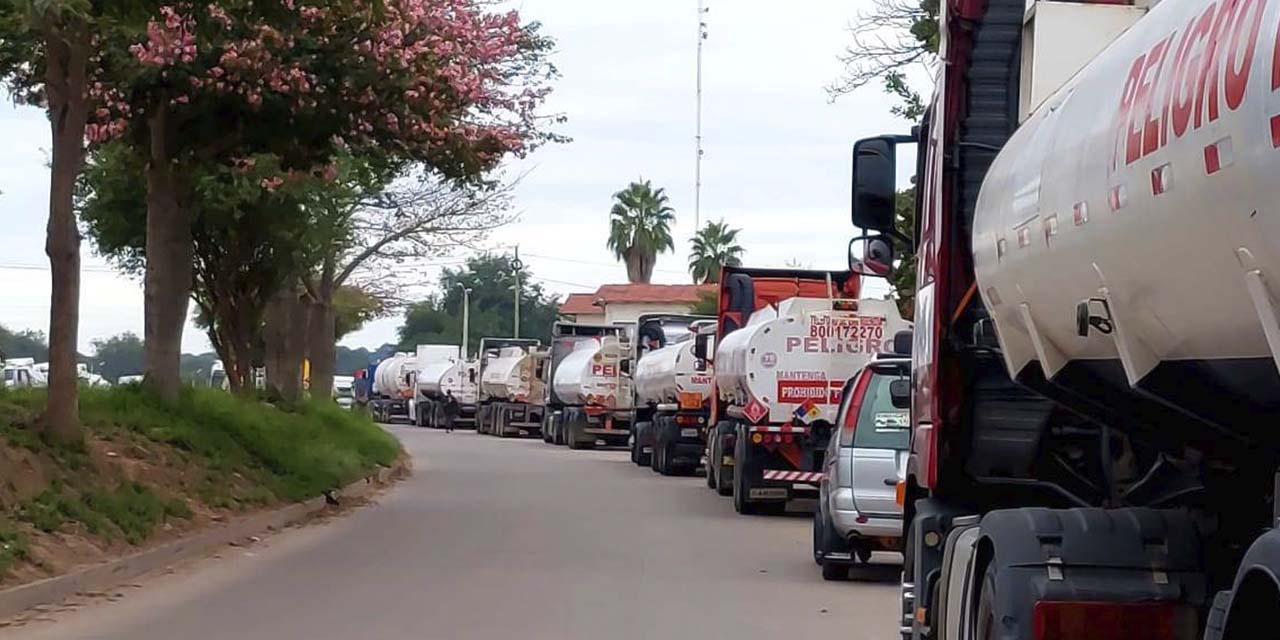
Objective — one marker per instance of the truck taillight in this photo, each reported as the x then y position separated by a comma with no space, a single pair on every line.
1113,621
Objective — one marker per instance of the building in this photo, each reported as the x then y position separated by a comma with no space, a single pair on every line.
624,303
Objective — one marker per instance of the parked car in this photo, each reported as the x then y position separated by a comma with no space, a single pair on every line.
858,507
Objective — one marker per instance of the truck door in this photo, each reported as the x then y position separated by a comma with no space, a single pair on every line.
880,442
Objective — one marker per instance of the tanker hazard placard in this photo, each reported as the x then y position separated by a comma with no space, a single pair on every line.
795,387
832,333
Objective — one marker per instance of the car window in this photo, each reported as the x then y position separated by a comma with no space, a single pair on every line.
880,424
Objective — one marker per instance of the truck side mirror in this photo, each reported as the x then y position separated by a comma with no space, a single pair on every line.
900,393
874,257
875,172
902,342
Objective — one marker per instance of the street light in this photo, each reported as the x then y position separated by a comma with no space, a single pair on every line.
466,318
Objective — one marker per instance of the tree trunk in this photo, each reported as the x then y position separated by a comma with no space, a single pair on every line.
285,332
322,348
322,334
66,85
169,263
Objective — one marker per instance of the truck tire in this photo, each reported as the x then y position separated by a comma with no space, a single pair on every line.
500,420
741,488
711,461
986,626
546,427
638,454
575,423
724,474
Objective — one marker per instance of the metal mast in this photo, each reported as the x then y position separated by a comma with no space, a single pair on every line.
697,171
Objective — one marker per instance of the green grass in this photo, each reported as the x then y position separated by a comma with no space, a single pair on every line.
13,547
254,454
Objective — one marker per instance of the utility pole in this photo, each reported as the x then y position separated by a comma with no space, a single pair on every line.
697,171
466,319
516,266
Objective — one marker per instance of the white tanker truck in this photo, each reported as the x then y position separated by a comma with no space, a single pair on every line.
565,337
788,342
595,387
393,388
512,377
442,372
1095,389
672,393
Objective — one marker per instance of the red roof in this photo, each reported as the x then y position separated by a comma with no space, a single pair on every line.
653,292
580,304
593,303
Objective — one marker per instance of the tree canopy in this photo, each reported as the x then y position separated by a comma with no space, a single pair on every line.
640,228
438,320
714,246
119,355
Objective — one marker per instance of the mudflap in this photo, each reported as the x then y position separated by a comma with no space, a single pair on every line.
1108,555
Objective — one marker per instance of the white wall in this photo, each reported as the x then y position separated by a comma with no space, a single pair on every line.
621,312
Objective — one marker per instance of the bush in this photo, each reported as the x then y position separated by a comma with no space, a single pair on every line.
13,547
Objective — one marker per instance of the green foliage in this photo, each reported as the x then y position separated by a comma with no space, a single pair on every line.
119,355
438,320
640,228
286,455
903,277
13,547
714,246
131,511
708,304
353,307
23,344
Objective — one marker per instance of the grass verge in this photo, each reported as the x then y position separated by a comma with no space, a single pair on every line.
146,466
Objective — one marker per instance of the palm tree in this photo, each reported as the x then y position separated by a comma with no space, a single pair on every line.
640,228
714,246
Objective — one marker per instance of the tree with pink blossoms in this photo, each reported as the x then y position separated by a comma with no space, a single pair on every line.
46,60
446,84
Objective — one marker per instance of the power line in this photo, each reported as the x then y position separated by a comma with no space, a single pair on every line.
92,268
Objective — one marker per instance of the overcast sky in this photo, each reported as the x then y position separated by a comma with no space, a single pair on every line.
776,164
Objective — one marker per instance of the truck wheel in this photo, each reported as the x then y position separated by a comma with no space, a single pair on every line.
500,419
573,426
741,504
711,462
638,454
547,421
655,458
987,627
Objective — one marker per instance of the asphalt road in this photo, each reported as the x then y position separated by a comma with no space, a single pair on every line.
505,539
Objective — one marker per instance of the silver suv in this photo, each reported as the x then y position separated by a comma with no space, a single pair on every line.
858,510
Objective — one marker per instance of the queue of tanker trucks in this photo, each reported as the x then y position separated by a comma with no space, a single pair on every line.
1076,439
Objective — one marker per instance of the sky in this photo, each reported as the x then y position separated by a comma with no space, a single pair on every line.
776,163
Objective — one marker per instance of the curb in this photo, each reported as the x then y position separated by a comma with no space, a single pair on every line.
110,574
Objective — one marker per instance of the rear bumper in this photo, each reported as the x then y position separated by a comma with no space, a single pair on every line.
850,523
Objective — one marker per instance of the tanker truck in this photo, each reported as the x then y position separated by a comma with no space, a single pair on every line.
512,377
565,337
672,393
596,390
787,341
442,372
391,396
1095,389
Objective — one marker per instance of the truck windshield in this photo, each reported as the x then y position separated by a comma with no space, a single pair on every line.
880,424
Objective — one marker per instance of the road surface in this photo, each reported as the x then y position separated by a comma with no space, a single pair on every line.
505,539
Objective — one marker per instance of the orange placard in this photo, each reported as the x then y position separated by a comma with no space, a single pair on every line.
690,400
